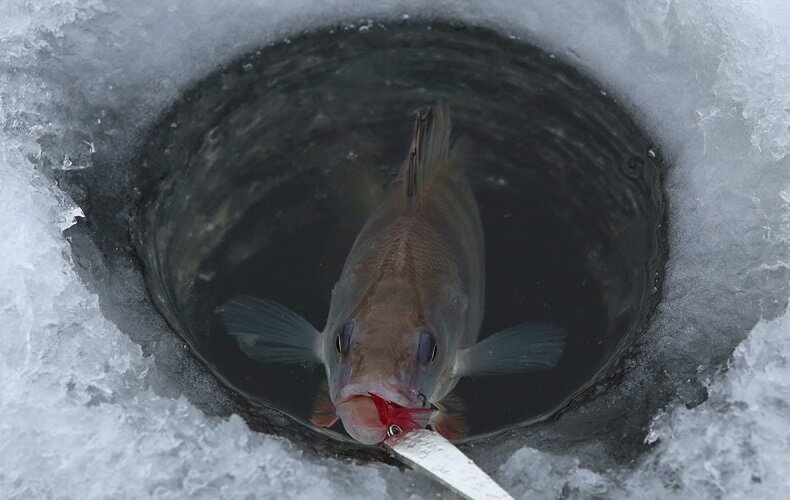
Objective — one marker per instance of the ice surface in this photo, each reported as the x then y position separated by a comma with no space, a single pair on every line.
82,410
79,418
734,445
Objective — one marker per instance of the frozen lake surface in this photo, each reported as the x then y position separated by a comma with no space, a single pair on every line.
99,400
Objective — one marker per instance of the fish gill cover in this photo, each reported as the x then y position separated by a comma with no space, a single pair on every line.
88,412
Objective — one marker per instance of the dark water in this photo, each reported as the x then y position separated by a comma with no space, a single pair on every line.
259,179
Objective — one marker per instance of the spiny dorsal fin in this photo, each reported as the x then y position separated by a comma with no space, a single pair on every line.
430,147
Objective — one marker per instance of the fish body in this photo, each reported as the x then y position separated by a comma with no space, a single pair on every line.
416,269
406,311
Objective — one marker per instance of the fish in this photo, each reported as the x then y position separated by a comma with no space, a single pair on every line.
405,314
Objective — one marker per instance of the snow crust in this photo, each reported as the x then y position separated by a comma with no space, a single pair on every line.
81,415
732,446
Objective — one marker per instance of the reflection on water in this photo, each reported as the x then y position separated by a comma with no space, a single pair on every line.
270,166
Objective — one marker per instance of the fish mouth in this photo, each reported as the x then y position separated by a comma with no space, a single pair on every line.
364,419
361,419
371,419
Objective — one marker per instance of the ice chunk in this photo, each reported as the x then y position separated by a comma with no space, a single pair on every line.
529,473
733,445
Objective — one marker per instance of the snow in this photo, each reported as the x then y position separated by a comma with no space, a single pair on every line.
735,445
82,410
79,417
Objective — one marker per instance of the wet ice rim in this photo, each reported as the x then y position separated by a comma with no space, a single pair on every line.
711,80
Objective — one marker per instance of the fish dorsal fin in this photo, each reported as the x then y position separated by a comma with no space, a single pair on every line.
430,148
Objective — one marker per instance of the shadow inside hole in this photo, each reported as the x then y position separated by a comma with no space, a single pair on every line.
271,165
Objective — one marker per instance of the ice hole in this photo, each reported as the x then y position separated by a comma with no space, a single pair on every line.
259,178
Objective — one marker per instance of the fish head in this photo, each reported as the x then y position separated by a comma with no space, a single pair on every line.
386,351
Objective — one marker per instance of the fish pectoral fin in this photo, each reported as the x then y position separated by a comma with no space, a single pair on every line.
449,420
326,421
324,413
268,332
519,349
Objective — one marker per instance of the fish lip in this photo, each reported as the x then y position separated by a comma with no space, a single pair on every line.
361,419
364,390
350,398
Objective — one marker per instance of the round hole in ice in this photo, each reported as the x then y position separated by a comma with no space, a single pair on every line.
260,177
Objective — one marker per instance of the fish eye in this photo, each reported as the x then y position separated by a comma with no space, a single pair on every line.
426,348
343,338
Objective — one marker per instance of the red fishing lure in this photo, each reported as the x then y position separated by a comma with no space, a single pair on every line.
398,419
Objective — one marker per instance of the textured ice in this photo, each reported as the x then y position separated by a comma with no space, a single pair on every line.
79,417
733,445
736,443
83,413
